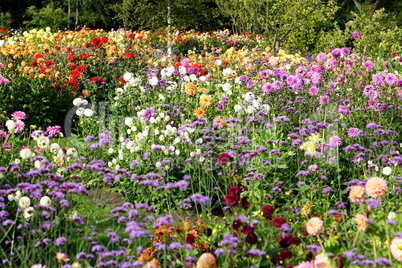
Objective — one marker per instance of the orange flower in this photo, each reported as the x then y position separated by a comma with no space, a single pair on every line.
356,194
190,89
361,222
199,112
203,90
206,101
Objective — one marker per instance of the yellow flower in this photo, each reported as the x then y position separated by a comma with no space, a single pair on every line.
190,89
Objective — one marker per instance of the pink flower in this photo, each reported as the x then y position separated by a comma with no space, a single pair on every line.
335,141
38,266
396,248
314,226
62,257
376,187
19,126
390,79
356,35
53,131
324,99
18,115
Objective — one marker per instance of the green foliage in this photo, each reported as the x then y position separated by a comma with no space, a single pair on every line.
5,19
294,24
379,35
48,16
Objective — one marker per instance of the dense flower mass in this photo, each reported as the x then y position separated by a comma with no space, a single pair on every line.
230,154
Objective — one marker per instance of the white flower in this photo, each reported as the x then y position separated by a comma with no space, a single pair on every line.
10,125
202,78
238,108
249,96
158,164
88,112
24,202
227,71
43,142
38,164
28,212
391,215
226,87
25,153
80,111
128,121
153,81
218,62
54,148
110,150
127,76
77,102
387,171
72,152
45,201
84,102
15,196
182,70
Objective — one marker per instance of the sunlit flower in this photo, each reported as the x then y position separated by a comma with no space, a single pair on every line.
376,187
45,201
356,194
190,89
24,202
62,257
314,226
205,101
28,212
361,222
206,260
199,112
396,248
25,153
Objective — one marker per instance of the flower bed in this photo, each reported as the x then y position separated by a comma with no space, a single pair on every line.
225,157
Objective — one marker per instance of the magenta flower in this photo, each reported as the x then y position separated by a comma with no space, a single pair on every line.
356,35
19,115
335,141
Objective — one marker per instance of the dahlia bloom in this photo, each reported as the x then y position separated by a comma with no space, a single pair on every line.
314,226
376,187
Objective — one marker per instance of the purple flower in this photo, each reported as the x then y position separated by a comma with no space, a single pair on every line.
314,248
383,262
200,198
60,241
254,252
335,141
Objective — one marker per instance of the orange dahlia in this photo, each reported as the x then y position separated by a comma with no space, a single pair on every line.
190,89
199,112
206,101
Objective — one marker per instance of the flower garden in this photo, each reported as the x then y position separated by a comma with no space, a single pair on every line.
223,153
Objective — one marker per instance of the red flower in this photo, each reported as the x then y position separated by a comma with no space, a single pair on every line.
72,66
231,199
285,254
84,56
43,70
236,225
244,202
75,74
121,80
225,63
278,221
38,56
394,54
129,54
248,230
71,58
57,47
96,41
95,79
267,211
130,36
105,39
34,63
224,158
49,63
251,238
81,68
